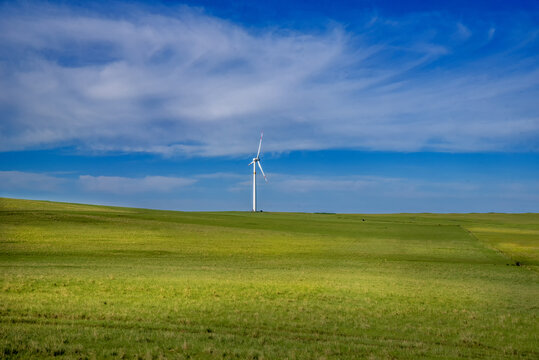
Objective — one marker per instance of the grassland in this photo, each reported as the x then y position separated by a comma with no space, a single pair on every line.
81,281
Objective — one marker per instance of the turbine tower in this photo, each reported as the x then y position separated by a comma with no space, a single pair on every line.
255,161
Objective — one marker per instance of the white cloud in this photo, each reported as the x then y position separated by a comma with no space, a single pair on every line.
188,83
491,33
29,181
12,181
314,184
371,185
463,31
221,175
125,185
401,190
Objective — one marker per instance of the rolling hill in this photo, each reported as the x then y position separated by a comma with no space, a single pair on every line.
85,281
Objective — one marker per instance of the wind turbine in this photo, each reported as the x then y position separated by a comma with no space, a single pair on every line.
255,161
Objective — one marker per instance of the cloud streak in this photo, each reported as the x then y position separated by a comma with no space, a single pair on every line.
191,84
285,192
370,193
369,185
125,185
20,180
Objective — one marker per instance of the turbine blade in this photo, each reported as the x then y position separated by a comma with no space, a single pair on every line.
251,163
259,145
260,166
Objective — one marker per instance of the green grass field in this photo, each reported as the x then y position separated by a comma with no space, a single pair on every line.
81,281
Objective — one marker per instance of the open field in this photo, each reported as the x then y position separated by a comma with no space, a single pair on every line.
81,281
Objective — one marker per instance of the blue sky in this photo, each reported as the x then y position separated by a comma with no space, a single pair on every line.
366,106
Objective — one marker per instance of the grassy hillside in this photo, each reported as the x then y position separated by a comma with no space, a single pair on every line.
82,281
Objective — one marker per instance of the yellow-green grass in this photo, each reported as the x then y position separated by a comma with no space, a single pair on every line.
83,281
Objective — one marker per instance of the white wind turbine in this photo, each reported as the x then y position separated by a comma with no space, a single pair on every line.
255,161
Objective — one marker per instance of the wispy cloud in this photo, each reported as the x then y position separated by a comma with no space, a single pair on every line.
370,184
463,31
491,33
125,185
284,192
221,175
184,82
49,182
19,180
369,193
